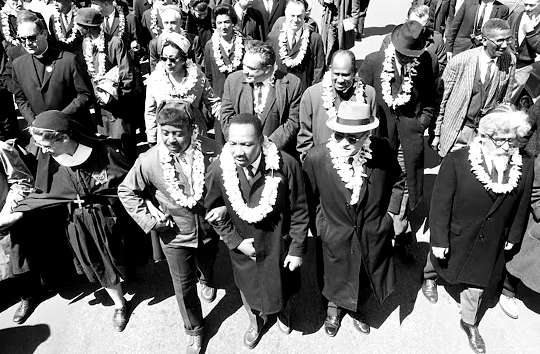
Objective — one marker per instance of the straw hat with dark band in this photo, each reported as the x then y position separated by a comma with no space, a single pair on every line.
353,117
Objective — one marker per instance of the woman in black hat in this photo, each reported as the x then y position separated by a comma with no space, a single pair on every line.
86,183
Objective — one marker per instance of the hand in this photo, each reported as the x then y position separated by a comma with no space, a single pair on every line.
293,262
508,246
449,56
216,214
135,46
8,220
246,247
155,212
435,143
400,223
162,226
439,252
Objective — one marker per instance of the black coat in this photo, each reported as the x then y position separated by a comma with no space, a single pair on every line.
252,25
474,223
278,10
263,282
66,87
407,123
355,235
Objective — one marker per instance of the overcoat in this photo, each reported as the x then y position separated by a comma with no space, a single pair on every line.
280,115
462,26
65,87
333,32
527,50
359,235
263,282
526,263
311,69
269,18
405,125
313,116
252,24
474,223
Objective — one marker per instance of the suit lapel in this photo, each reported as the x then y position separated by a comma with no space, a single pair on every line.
270,100
245,99
245,187
345,194
49,70
115,23
365,183
259,175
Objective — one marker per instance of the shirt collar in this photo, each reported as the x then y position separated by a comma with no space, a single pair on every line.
255,164
485,58
78,158
162,149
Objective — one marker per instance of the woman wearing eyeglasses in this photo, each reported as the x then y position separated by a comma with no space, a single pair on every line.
479,209
177,77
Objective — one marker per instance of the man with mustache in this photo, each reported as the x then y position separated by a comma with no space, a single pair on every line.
266,223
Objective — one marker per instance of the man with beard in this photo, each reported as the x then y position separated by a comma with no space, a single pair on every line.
299,49
475,81
274,96
172,173
355,187
266,222
321,101
111,70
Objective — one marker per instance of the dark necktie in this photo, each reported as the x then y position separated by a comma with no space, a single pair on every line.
480,18
487,78
251,172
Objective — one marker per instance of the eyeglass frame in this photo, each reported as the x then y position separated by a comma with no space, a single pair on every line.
499,143
509,41
351,139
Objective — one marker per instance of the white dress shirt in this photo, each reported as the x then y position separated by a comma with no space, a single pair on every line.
485,8
268,4
262,92
483,61
254,167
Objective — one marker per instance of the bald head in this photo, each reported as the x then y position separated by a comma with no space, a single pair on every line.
343,70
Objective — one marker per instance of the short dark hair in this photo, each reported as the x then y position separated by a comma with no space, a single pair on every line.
200,6
249,119
175,113
31,16
264,50
227,10
495,24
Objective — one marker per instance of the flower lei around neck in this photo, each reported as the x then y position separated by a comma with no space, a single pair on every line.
387,75
156,30
58,29
197,175
476,158
328,94
238,52
121,20
181,90
88,49
5,12
350,173
288,61
232,183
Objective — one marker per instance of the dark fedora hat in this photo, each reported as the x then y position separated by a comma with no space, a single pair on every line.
409,39
88,16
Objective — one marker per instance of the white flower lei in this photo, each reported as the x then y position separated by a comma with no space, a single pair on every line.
5,26
350,174
238,52
232,183
475,158
328,94
282,42
153,22
192,78
58,28
197,174
387,74
121,20
88,47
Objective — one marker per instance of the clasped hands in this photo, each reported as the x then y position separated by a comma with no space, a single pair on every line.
441,252
246,247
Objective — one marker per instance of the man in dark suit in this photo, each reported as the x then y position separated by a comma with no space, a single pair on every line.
479,209
404,110
272,95
466,29
354,215
250,20
294,55
271,11
48,78
267,238
118,21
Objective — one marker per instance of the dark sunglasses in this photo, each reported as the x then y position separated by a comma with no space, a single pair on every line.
172,60
352,139
31,38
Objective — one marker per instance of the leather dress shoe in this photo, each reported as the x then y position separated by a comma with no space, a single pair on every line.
25,309
331,325
208,293
120,318
429,289
362,327
475,339
195,344
251,337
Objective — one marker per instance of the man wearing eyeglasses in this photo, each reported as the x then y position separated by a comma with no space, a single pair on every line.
355,187
474,82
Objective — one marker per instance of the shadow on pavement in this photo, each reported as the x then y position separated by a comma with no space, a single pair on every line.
23,339
376,31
